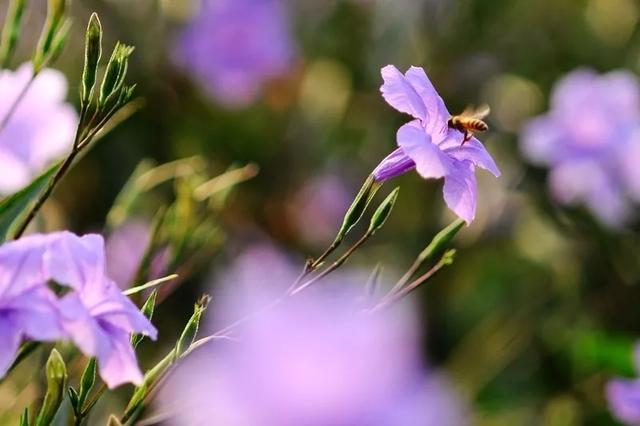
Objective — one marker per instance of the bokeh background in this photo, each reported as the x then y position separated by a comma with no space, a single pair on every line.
542,304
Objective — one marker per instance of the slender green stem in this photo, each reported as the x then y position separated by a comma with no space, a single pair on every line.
395,295
335,265
53,182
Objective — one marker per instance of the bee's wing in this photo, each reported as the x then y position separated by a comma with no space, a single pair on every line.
480,112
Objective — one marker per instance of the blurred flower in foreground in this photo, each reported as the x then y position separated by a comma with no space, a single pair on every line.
318,208
590,139
126,247
429,145
233,46
624,395
40,128
313,359
93,312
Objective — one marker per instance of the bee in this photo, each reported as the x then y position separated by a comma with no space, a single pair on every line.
470,120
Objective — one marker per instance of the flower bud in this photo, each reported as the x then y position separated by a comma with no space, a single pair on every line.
147,311
115,73
11,30
55,12
56,384
383,211
191,329
92,54
441,239
358,207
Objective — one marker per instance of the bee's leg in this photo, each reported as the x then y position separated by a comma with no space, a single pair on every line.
467,137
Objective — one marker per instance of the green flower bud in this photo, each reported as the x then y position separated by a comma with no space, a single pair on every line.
56,386
441,240
191,329
11,31
358,207
115,73
383,211
55,13
147,311
92,55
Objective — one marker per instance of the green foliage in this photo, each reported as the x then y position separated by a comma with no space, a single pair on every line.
14,206
56,372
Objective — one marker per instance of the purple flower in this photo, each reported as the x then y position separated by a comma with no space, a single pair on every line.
93,313
41,128
429,145
590,140
624,400
126,247
96,315
233,46
28,309
313,359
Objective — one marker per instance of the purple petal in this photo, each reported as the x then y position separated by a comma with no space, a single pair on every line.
430,161
624,399
79,262
394,164
120,312
460,191
400,94
586,181
437,113
474,151
36,313
118,364
21,265
9,342
540,140
80,325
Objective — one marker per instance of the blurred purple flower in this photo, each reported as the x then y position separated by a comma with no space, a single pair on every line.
624,395
590,139
126,247
233,46
314,359
28,309
40,130
429,145
624,400
94,313
319,206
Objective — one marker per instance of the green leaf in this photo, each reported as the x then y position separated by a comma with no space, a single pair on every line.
12,207
24,418
147,311
87,381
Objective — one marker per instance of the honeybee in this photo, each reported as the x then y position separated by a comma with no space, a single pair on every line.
470,120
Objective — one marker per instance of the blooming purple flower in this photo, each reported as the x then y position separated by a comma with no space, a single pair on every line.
28,309
590,140
41,128
429,145
94,313
233,46
313,359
